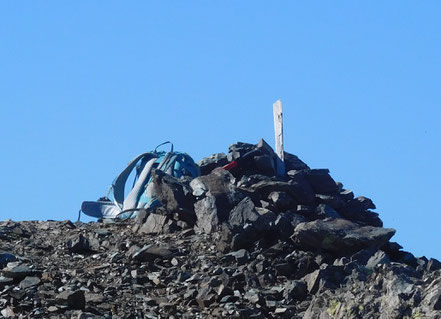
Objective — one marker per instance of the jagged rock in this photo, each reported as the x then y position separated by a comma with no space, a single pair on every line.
244,212
78,244
432,298
241,148
295,290
221,195
173,194
151,252
301,193
292,162
339,236
321,181
28,282
324,211
285,224
328,277
73,299
219,183
211,162
281,200
241,256
253,296
18,271
265,165
154,224
208,216
346,195
433,264
378,258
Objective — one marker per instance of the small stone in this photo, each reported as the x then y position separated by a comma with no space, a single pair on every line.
151,252
52,309
253,296
74,299
18,271
29,282
78,244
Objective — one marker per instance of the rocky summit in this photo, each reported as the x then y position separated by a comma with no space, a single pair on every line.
231,243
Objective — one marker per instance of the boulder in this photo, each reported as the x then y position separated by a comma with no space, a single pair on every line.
339,236
244,212
173,195
208,164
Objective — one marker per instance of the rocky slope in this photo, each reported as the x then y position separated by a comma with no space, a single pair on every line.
229,244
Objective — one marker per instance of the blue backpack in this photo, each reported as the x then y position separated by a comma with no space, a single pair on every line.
115,205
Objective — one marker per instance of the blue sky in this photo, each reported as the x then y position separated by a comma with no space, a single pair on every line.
87,85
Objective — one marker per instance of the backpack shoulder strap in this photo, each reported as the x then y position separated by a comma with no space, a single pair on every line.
119,183
132,198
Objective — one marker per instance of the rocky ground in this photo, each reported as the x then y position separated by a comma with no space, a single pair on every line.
229,244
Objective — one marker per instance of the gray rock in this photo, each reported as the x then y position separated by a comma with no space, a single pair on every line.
295,290
219,182
281,200
432,298
18,271
328,277
241,148
172,193
253,296
321,181
78,244
73,299
211,162
292,162
244,212
346,194
240,256
151,252
154,224
205,296
208,216
378,258
339,236
433,265
29,281
324,211
285,224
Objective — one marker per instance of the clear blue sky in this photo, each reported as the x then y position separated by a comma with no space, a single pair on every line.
86,85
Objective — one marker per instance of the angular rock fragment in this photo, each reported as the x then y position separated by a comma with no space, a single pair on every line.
29,281
154,224
173,195
243,213
211,162
339,236
73,299
151,252
78,244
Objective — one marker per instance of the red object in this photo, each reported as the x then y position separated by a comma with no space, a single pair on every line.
230,166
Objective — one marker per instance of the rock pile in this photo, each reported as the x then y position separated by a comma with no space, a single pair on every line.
238,243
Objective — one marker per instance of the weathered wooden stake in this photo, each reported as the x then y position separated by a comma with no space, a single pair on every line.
278,130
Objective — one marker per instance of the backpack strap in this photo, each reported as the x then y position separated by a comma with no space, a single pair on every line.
132,198
118,185
168,142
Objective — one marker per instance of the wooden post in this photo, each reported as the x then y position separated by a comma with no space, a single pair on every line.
278,130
